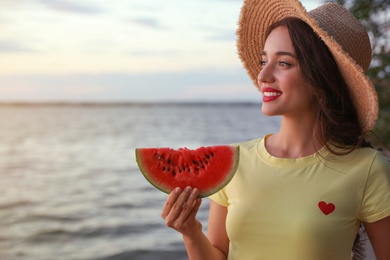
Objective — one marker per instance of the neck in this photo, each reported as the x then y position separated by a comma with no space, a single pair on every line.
295,139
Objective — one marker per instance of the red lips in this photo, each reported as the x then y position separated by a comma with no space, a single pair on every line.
270,94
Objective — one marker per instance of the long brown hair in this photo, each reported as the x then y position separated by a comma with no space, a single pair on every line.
337,120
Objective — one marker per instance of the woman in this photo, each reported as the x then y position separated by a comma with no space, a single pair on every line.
302,192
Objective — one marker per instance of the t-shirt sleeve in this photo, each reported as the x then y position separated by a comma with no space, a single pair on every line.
220,197
376,200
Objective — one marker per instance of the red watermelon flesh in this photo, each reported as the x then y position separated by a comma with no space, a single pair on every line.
208,169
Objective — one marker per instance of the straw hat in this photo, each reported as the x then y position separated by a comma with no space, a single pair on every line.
337,27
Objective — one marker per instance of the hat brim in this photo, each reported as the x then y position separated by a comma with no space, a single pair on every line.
255,19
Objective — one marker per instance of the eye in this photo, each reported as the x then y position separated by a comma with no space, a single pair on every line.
262,63
284,64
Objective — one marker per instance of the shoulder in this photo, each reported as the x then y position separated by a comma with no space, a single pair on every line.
376,196
372,156
365,155
363,163
374,166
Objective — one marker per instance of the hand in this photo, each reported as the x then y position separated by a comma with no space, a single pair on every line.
180,209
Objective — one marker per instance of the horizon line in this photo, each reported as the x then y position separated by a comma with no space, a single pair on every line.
127,103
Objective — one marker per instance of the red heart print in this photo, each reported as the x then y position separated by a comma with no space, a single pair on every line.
326,208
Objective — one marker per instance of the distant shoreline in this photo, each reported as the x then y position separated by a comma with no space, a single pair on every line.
123,104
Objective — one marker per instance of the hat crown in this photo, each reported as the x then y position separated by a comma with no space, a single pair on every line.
346,30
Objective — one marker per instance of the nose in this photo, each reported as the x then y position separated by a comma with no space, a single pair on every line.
266,75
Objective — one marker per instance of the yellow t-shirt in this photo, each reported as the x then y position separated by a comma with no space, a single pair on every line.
305,208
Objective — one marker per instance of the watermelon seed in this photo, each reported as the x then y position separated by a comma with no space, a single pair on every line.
212,154
169,161
207,156
173,173
163,169
194,161
158,156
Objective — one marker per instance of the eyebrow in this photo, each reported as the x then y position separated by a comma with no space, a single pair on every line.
280,53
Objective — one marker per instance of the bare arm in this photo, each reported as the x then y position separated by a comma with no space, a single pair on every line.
217,227
179,213
379,234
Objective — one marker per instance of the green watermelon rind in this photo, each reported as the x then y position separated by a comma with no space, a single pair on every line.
204,193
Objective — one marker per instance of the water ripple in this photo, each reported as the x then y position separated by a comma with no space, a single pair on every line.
71,188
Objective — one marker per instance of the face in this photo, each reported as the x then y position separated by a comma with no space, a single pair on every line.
280,80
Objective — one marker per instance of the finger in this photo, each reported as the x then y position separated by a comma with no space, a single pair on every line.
172,197
189,205
183,200
192,215
180,203
195,208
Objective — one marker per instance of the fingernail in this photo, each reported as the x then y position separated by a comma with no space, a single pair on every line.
195,191
177,190
188,189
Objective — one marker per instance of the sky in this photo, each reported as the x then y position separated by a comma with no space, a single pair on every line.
122,51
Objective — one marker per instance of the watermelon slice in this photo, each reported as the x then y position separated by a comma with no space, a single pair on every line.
207,168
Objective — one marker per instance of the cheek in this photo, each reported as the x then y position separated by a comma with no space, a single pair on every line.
293,79
295,82
298,88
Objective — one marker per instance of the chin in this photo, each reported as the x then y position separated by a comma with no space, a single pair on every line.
268,112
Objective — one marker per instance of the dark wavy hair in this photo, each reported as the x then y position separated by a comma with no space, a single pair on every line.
337,123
